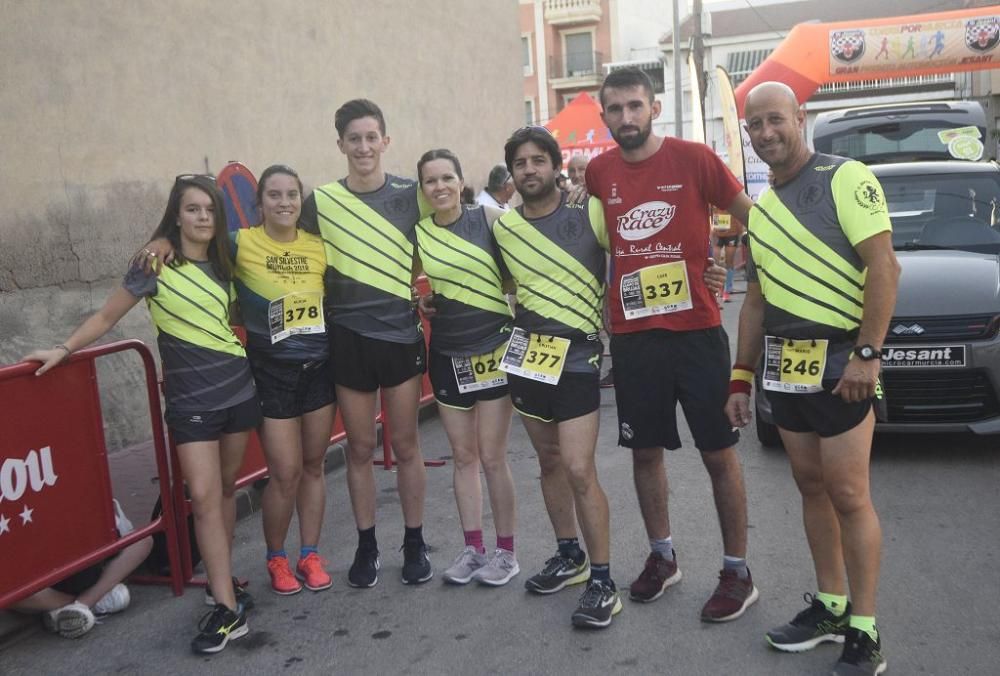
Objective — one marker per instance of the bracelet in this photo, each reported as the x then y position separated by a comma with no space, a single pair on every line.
741,380
739,387
60,346
742,373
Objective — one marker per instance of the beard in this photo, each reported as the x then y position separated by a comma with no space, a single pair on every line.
539,192
634,141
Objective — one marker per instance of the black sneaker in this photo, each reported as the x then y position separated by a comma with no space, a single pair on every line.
416,565
218,627
364,570
559,571
861,657
598,605
812,626
243,597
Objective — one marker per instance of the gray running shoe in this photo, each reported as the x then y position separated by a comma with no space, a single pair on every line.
808,629
861,657
501,567
465,567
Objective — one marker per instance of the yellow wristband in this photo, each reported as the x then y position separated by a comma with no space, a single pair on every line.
742,375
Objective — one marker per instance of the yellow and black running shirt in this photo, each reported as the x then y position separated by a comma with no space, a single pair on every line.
558,262
802,236
462,263
291,273
369,240
204,365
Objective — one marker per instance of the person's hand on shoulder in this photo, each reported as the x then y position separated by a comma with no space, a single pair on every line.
154,255
577,195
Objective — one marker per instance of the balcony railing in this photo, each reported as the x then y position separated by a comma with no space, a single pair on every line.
566,12
576,65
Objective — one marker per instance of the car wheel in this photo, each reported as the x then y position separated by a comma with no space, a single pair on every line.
767,434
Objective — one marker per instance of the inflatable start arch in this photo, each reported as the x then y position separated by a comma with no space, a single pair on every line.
815,54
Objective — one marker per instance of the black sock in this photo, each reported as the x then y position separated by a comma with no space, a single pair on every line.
600,571
414,535
366,538
569,548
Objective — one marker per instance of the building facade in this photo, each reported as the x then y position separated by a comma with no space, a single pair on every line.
104,102
567,47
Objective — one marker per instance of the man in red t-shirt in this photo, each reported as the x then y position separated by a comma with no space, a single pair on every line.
667,342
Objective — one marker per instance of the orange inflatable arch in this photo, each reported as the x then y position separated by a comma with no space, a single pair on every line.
815,54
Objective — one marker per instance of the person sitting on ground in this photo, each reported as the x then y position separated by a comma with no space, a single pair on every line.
69,607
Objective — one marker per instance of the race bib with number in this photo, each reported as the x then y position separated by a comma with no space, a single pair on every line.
656,290
480,372
794,366
294,314
535,356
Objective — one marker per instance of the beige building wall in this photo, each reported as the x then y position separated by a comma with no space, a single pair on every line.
105,101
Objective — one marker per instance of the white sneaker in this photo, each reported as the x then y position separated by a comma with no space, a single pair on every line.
501,567
114,601
72,621
465,566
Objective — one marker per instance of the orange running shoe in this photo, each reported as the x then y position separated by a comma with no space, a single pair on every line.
282,580
310,570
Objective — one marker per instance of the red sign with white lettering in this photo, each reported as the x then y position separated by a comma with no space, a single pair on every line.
55,491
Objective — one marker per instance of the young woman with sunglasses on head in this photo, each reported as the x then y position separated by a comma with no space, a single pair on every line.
211,400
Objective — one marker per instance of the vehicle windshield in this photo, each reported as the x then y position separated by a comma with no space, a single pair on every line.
949,211
909,140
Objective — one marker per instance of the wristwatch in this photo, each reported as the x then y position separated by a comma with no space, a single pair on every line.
866,352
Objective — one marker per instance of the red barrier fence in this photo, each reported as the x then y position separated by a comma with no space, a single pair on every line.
55,485
56,514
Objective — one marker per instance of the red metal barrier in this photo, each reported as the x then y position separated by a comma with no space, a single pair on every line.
56,515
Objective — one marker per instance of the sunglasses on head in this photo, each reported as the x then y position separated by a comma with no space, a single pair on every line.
192,177
534,127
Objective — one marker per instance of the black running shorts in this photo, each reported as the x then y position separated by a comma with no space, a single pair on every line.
656,369
445,385
824,413
289,389
575,395
366,364
188,426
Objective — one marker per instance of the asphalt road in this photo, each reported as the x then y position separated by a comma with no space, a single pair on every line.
938,499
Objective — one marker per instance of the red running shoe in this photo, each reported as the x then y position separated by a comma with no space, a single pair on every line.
310,570
731,598
282,580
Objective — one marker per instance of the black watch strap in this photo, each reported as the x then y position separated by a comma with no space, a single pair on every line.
867,352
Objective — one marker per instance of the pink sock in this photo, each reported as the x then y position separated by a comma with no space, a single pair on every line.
505,542
474,538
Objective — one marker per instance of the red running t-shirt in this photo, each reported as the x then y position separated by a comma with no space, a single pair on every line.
657,214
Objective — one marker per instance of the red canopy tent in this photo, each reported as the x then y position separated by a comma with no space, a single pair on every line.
579,129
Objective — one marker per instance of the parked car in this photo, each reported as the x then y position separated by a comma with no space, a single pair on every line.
941,356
